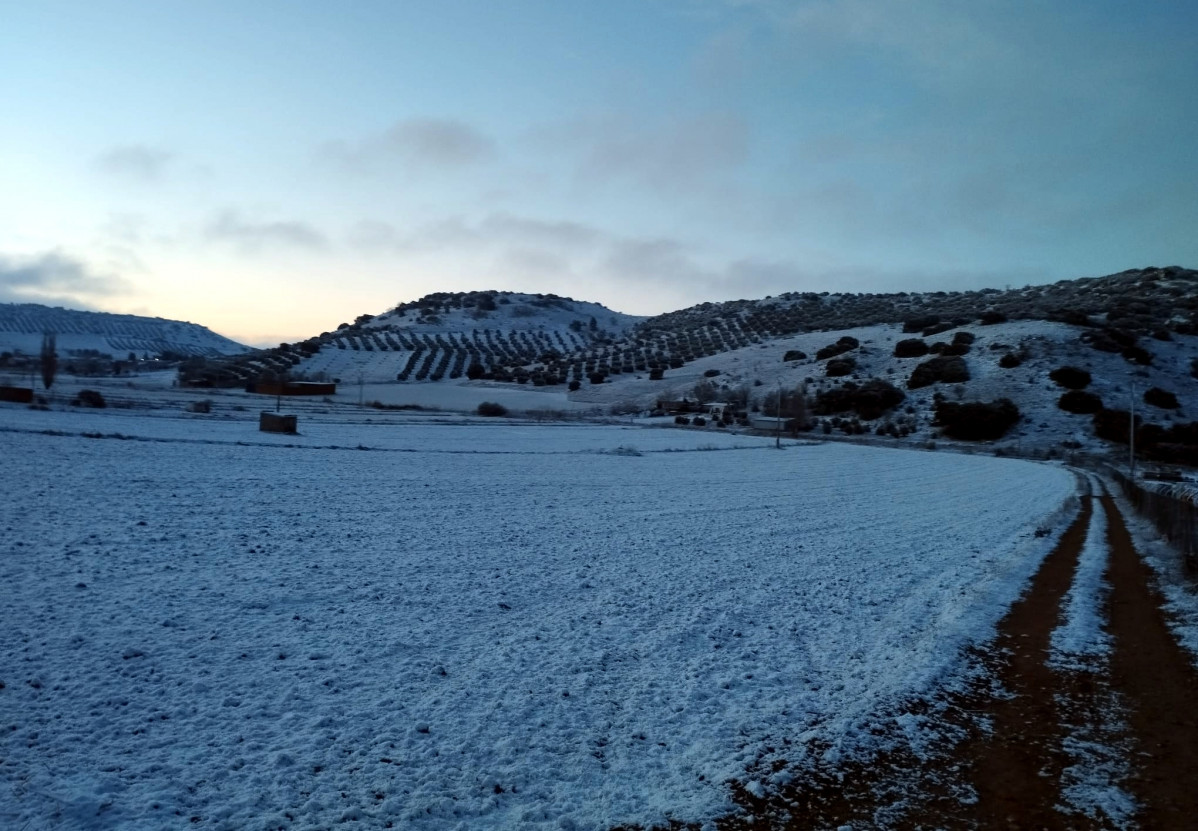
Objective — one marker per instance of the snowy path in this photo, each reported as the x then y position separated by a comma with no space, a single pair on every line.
248,636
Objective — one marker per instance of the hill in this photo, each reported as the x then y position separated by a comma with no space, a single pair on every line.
102,334
512,336
905,367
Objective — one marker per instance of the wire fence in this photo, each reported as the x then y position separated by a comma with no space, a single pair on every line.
1173,508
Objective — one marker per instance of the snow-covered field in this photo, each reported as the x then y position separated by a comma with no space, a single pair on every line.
504,626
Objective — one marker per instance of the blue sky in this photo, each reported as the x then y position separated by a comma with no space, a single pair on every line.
272,169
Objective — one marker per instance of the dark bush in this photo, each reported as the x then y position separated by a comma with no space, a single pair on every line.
966,338
574,385
938,328
681,419
597,377
1158,397
1080,402
1138,355
491,408
1010,361
989,318
1070,377
475,371
840,366
699,421
951,348
918,324
657,374
711,373
948,370
89,398
976,420
794,355
911,348
1101,341
1113,425
869,400
841,346
875,397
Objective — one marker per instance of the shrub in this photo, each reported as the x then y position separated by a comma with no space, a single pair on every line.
868,400
841,346
949,370
1113,425
989,318
1080,402
574,385
475,371
840,366
794,355
953,348
681,419
966,338
1010,361
1138,355
976,420
918,324
491,409
875,397
1158,397
1070,377
911,348
89,398
657,374
699,421
711,373
936,329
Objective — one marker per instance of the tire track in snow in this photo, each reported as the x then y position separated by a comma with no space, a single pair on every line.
1156,678
1092,713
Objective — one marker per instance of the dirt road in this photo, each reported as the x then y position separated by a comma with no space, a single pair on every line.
1024,742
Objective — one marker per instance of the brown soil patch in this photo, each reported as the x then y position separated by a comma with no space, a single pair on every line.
1160,687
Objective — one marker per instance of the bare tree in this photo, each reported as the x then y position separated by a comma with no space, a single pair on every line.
794,404
49,359
705,391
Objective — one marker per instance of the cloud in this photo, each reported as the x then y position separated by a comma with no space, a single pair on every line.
54,277
679,155
457,233
135,163
417,144
251,237
557,233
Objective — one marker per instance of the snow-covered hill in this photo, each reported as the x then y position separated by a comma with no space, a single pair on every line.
439,338
23,324
1132,332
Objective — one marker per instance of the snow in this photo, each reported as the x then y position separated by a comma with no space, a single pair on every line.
1096,740
23,324
1082,636
502,625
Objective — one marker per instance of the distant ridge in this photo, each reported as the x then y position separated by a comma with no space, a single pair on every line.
23,324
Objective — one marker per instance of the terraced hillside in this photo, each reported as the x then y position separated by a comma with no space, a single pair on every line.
501,336
23,324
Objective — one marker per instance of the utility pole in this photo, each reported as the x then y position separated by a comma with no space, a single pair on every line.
778,437
1131,438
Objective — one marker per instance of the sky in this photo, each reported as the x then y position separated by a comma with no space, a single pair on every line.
273,169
